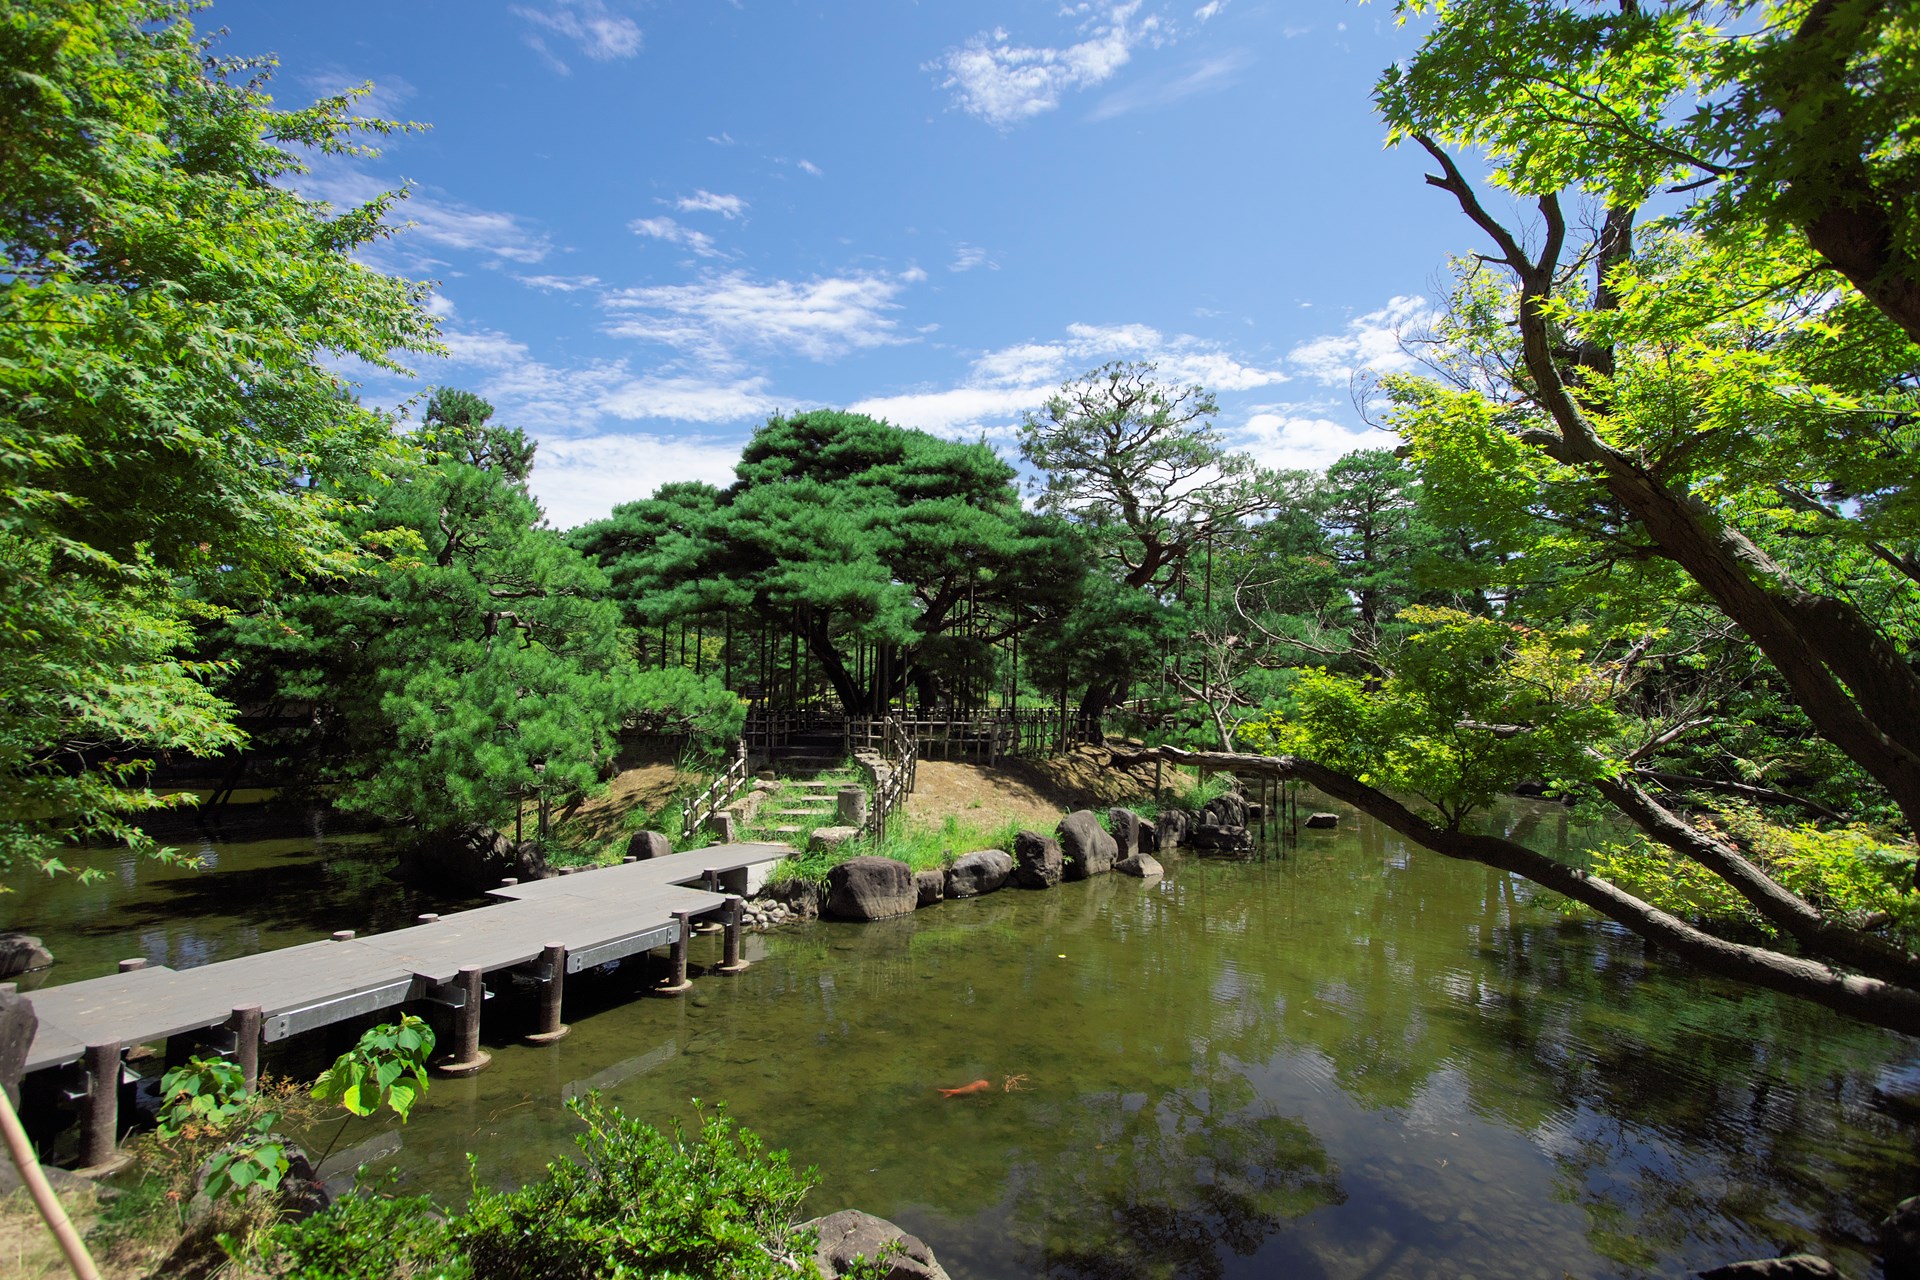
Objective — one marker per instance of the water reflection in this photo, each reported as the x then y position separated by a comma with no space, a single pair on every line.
1354,1059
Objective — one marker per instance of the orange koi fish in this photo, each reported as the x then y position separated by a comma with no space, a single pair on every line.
978,1086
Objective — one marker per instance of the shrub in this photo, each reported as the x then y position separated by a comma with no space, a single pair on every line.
645,1203
367,1237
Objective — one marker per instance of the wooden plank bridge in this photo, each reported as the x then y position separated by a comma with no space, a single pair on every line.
545,929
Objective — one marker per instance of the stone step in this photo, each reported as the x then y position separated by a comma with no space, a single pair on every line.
803,813
789,831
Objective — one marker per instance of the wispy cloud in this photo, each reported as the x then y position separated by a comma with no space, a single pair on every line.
809,167
665,228
968,256
1006,84
591,25
1208,10
1202,77
584,479
1302,436
728,207
560,284
1372,342
820,319
445,223
380,98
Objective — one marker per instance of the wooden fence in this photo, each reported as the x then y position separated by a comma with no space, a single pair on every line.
718,794
890,792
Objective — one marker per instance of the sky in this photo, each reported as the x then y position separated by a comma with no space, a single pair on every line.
651,224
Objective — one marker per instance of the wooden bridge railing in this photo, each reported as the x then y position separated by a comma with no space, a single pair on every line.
718,794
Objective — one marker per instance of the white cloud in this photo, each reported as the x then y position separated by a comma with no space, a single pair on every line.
1001,385
378,98
728,207
439,306
560,284
583,479
1204,77
721,139
600,33
1295,436
1209,9
665,228
486,349
1006,84
1371,342
808,166
689,400
968,256
820,319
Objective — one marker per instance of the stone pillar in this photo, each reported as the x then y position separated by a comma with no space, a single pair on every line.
554,960
467,1058
733,963
427,917
677,976
343,935
130,966
245,1022
724,826
100,1113
853,806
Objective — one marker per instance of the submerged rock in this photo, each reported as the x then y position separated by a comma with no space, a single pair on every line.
850,1234
1322,821
1140,864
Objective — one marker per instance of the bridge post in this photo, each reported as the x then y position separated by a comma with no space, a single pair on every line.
710,881
677,977
733,963
554,960
467,1058
244,1022
100,1109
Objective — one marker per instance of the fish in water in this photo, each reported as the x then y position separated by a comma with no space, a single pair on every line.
978,1086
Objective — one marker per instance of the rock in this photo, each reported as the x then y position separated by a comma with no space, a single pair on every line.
724,826
1322,821
1086,847
1221,839
800,897
1149,836
827,839
647,845
1174,825
852,805
929,886
21,952
18,1022
871,888
1799,1266
1125,826
982,871
1229,810
1037,861
1140,864
64,1181
471,859
851,1234
300,1194
1900,1241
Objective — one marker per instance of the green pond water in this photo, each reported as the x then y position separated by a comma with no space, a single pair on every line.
1345,1059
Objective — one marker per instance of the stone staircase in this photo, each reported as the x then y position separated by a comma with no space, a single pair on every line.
792,813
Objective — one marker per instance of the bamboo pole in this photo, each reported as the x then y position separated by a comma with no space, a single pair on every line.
79,1261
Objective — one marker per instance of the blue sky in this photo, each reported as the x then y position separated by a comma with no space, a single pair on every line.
655,222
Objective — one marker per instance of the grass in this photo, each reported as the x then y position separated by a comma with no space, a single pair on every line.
922,846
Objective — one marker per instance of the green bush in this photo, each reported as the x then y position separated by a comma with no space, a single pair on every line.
644,1203
367,1237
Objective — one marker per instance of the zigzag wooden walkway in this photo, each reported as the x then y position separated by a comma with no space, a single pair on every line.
560,925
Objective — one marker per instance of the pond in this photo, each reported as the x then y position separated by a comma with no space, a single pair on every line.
1344,1059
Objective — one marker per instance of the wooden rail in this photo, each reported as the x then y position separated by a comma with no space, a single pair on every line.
718,794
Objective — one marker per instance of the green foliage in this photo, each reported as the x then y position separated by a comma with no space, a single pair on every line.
645,1203
1195,791
1471,706
171,316
1851,872
201,1092
366,1236
387,1067
257,1161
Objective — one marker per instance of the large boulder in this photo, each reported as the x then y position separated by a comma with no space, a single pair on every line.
1220,839
1149,836
929,886
1125,826
1229,810
20,952
851,1234
1037,861
1174,825
1140,864
1322,821
1085,845
1900,1241
18,1022
470,859
982,871
647,845
871,888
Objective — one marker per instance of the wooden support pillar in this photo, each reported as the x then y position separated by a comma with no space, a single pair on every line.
245,1023
130,966
553,962
677,975
467,1058
735,909
100,1108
